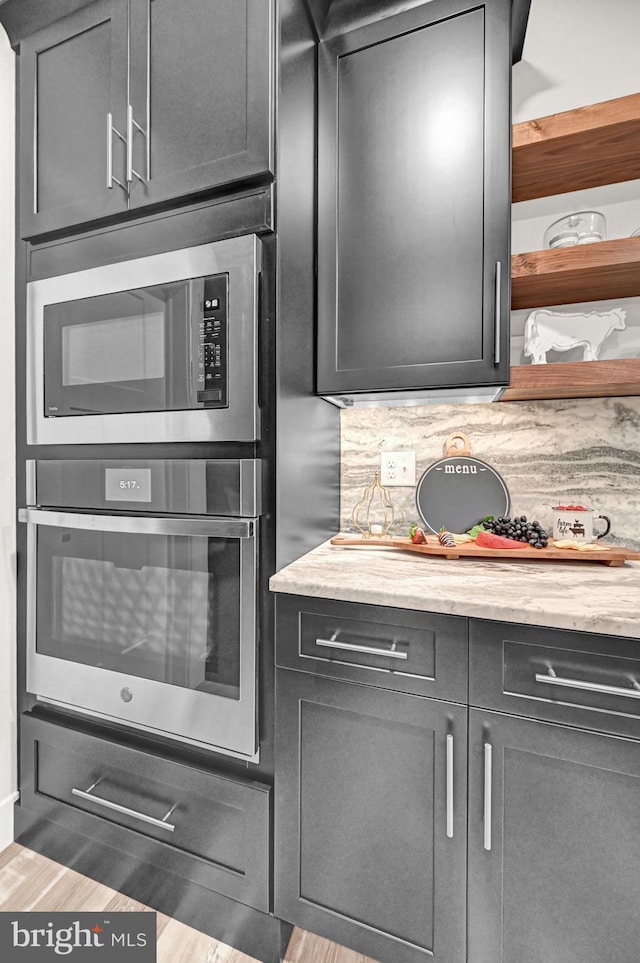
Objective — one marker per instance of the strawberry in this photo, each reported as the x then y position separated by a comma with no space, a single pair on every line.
417,535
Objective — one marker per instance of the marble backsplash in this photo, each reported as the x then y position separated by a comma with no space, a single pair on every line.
581,451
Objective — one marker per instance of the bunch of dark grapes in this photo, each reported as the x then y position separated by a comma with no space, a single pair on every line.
519,529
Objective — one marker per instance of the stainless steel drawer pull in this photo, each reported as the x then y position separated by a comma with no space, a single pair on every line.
100,801
488,754
553,679
367,649
450,786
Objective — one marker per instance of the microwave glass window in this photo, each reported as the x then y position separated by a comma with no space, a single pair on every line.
128,351
114,350
159,607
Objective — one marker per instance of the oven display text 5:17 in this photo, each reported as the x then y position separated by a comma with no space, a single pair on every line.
127,484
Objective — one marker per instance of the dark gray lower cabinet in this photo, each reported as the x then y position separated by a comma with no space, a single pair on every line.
370,818
378,846
554,843
206,827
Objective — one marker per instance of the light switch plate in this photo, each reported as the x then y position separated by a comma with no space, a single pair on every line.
398,468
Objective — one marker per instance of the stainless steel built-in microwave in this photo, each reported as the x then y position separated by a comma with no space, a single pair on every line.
160,348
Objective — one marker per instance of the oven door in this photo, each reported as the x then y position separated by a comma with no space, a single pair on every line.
146,621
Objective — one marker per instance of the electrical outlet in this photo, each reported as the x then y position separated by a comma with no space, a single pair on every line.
398,468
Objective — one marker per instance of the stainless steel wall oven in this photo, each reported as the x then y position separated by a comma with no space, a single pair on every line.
161,348
142,594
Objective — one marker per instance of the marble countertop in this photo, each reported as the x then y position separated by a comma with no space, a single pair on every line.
586,596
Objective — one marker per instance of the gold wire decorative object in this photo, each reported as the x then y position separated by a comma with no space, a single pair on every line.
376,513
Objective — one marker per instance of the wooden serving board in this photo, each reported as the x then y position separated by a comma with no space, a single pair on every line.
613,555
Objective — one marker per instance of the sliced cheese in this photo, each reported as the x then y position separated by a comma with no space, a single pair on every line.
580,546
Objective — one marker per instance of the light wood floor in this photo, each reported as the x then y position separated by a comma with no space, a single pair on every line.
31,882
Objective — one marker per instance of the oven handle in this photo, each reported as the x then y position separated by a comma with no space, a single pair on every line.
213,527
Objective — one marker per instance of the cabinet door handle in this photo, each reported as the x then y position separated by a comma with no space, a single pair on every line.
367,649
553,679
497,317
111,130
107,804
450,786
488,760
131,171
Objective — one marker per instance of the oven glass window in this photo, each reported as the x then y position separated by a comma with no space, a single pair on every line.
159,607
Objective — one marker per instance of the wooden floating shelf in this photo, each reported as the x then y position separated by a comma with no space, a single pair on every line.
586,147
586,272
575,379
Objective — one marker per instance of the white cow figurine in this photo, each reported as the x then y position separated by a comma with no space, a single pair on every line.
553,331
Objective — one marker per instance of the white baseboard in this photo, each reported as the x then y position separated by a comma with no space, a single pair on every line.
6,819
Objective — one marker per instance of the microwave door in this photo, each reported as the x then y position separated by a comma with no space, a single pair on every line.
122,352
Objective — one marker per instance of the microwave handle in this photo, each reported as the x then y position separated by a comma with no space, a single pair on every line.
193,346
214,527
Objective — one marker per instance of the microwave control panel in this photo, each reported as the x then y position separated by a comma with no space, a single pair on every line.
211,379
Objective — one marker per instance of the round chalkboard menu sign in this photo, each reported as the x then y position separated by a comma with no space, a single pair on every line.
459,491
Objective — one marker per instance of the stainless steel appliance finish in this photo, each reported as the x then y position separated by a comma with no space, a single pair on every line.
181,486
147,620
146,389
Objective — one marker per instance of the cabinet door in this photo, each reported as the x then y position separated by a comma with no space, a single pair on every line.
554,843
200,95
414,200
72,76
370,818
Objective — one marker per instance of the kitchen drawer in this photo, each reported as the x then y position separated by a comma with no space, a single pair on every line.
581,679
209,828
399,649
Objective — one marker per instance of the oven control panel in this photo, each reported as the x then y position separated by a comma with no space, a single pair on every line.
211,378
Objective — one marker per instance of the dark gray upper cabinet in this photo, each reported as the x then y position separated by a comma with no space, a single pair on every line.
72,76
201,92
127,103
336,16
414,200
